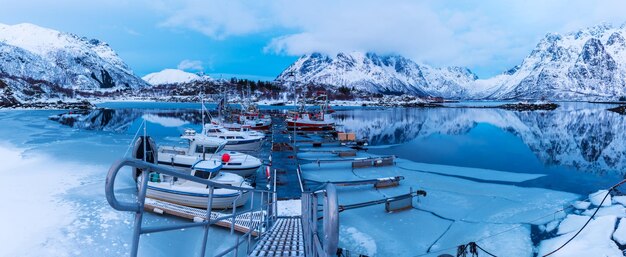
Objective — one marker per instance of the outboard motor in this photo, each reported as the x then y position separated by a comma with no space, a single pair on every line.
151,152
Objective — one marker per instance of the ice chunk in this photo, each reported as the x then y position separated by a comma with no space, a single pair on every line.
620,199
596,198
572,223
582,205
620,233
594,240
615,210
552,225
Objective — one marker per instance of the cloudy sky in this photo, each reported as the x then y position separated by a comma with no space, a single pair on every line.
257,39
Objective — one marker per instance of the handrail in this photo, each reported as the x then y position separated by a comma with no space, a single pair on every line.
267,204
328,243
110,181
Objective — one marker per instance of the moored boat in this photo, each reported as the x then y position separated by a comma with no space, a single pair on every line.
201,147
242,140
193,194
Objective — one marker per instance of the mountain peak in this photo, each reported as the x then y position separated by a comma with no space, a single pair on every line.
38,62
173,76
369,71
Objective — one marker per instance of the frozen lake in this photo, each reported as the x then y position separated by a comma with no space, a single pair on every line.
487,170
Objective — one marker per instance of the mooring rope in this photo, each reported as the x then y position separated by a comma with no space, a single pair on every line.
143,123
588,220
468,247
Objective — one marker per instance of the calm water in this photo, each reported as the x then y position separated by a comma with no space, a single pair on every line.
581,147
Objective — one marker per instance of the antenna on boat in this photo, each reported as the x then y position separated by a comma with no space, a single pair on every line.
145,140
295,103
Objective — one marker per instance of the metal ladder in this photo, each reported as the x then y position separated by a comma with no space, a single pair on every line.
285,238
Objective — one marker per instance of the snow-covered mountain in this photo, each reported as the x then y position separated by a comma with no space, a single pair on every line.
581,65
375,73
586,64
39,63
173,76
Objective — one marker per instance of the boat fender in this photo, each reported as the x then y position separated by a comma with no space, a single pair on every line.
225,157
267,172
157,210
151,154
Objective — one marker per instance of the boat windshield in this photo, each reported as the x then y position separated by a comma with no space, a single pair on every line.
207,149
204,174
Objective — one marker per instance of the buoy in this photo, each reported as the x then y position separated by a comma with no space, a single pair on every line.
267,172
225,157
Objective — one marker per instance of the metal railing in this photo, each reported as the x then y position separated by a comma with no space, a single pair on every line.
325,242
267,206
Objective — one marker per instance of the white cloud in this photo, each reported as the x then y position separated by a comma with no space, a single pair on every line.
218,18
470,33
190,65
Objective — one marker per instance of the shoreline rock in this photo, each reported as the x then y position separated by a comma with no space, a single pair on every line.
620,110
82,105
529,107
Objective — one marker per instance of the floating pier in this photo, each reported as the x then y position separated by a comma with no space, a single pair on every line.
243,223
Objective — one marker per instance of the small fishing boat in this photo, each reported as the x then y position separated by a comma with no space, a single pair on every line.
304,121
242,140
202,147
193,194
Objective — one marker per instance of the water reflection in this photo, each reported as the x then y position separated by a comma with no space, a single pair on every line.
584,137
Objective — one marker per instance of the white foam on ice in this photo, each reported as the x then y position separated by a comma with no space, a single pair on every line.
289,208
361,243
34,212
594,240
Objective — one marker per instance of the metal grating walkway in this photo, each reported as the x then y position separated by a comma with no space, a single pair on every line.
283,239
243,222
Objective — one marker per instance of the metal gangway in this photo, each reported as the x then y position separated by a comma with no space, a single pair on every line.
274,235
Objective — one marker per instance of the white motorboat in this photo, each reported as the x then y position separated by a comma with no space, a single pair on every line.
201,147
243,140
262,123
193,194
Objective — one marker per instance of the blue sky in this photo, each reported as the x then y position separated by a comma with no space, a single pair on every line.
258,39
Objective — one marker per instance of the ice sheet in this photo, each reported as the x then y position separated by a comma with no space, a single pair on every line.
466,204
34,212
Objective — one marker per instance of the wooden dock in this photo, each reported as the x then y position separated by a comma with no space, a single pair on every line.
243,223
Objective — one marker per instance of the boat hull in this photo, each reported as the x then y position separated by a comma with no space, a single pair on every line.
310,126
220,200
248,145
244,172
